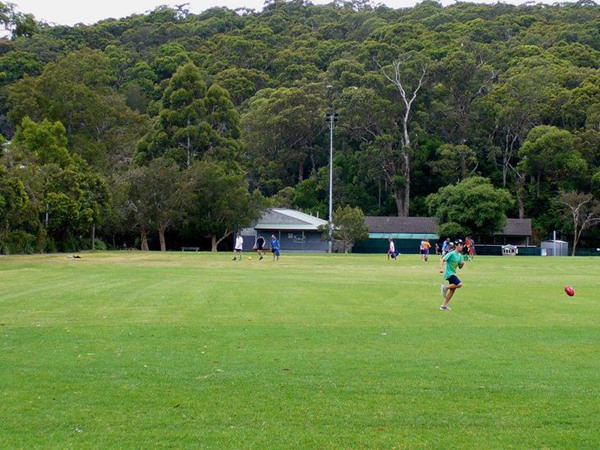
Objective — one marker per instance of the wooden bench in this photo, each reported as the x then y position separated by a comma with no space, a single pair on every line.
190,249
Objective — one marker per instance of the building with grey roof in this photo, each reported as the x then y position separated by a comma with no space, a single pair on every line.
296,231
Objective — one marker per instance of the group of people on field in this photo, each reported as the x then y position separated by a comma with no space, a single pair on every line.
259,246
447,245
452,257
441,248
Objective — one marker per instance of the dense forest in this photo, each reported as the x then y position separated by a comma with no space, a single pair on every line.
170,128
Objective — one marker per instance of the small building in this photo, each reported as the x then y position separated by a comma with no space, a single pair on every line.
510,250
296,231
555,247
515,232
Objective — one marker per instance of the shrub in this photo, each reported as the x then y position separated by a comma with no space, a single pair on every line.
18,241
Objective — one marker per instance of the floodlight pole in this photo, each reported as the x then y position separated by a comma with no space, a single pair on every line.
331,119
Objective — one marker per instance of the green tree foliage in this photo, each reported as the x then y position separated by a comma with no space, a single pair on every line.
550,161
181,130
133,203
149,199
43,143
456,162
68,196
462,77
349,226
16,64
582,110
168,197
368,119
194,121
169,59
224,122
472,206
241,84
548,153
221,203
17,23
596,185
139,86
310,195
528,97
76,91
13,201
282,128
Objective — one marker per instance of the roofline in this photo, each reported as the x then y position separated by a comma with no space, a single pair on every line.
271,226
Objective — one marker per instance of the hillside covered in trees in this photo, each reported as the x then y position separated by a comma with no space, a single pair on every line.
170,127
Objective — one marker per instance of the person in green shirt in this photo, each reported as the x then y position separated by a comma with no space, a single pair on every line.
453,260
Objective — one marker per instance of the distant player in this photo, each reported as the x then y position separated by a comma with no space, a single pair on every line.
446,246
391,250
470,244
453,260
275,247
239,246
425,246
260,246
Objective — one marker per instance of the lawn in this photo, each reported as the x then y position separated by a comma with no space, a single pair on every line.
194,350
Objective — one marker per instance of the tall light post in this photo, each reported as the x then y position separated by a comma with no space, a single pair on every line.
331,118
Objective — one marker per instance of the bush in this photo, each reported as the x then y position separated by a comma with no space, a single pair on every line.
71,244
50,245
18,241
99,244
453,230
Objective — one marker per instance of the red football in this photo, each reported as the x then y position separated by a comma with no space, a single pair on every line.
570,291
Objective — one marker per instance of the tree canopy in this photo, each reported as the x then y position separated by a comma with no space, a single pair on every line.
473,205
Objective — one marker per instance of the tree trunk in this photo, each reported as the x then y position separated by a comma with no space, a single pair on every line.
144,238
507,153
576,237
463,167
161,237
215,242
577,231
399,201
406,175
401,191
520,195
391,172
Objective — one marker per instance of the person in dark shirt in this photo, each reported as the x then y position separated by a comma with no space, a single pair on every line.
260,246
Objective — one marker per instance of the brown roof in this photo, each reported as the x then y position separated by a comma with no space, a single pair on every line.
376,224
517,227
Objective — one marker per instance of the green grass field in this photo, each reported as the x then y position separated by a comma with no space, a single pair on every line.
194,350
